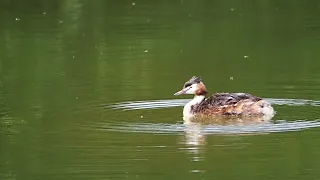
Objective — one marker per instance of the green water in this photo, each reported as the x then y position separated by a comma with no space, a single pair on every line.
63,64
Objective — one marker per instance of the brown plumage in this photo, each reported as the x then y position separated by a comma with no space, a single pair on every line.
230,104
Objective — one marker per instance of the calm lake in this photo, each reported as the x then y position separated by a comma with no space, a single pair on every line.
86,88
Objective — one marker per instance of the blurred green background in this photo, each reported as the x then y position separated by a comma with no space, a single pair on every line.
62,62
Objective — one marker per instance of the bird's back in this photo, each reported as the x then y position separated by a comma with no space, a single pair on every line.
231,104
223,99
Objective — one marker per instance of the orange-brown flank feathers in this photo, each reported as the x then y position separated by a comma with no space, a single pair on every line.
230,104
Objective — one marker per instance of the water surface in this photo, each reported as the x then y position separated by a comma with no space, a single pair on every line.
86,88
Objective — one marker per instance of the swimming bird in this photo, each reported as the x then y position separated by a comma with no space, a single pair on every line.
225,104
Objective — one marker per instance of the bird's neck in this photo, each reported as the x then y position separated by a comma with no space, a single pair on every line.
196,100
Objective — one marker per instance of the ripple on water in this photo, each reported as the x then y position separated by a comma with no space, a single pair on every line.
162,128
157,128
155,104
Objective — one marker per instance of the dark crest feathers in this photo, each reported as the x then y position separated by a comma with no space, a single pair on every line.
193,80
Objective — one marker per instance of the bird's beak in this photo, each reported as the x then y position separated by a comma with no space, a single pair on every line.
182,91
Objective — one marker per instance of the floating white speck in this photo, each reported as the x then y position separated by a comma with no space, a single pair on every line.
17,19
73,57
141,116
77,97
231,78
60,22
133,3
146,51
44,13
197,171
232,9
245,56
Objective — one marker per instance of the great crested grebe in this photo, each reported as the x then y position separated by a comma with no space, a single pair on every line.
226,104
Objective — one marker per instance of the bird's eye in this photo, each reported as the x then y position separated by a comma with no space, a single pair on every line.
187,85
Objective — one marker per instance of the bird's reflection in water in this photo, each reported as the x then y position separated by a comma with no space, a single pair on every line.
196,129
